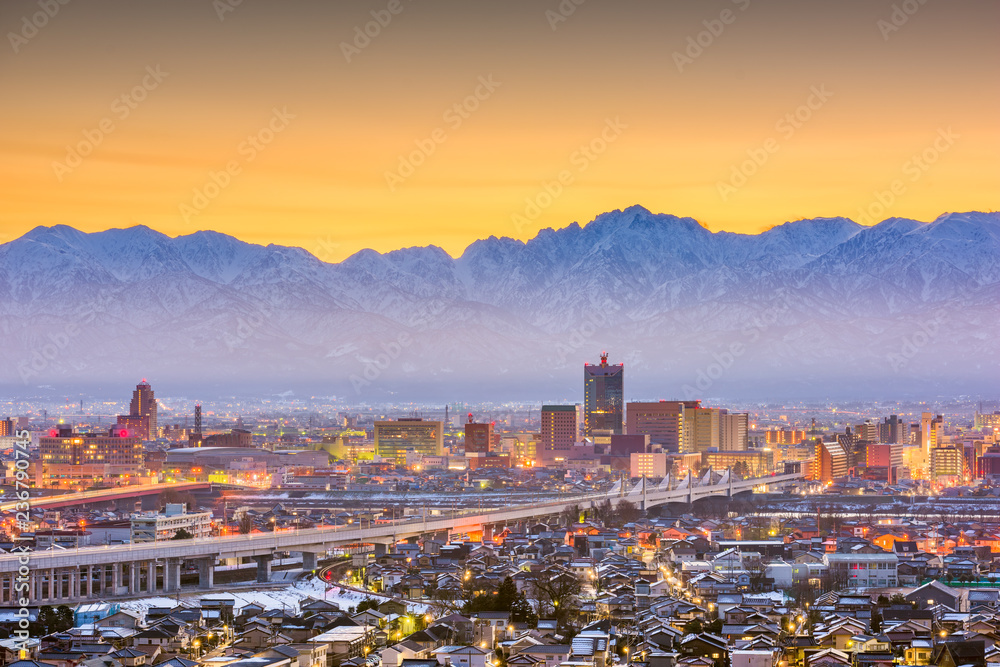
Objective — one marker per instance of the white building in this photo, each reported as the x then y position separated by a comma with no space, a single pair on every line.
153,526
863,570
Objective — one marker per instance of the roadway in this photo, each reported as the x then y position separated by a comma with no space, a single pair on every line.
319,540
102,495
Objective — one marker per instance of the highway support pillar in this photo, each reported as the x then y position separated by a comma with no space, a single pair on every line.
206,573
171,575
263,569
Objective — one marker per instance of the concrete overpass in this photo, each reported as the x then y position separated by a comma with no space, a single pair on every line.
57,577
104,495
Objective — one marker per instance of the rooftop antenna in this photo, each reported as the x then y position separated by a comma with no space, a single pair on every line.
604,358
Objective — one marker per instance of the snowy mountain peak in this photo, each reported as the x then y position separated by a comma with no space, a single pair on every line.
822,301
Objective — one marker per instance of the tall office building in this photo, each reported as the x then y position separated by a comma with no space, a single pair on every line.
141,420
733,431
931,430
947,462
662,421
830,461
560,431
869,431
701,429
395,439
895,431
604,396
7,427
478,437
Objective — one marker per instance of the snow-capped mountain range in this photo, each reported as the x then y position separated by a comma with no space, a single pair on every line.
820,307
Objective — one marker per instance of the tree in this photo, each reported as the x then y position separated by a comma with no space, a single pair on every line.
757,569
182,534
367,603
64,618
626,512
53,619
693,627
570,515
803,593
876,621
521,611
556,593
604,512
246,524
506,594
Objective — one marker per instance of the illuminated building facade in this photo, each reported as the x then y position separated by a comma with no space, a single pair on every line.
395,439
478,437
643,464
830,461
662,421
141,420
787,436
988,420
560,431
733,430
604,397
947,464
70,459
758,462
931,429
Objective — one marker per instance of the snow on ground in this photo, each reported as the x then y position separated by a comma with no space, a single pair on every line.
288,598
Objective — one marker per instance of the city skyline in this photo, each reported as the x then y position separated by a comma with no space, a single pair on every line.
294,299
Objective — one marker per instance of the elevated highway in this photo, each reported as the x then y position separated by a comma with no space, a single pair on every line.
104,495
148,568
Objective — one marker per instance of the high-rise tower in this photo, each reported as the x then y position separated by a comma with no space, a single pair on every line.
603,391
142,411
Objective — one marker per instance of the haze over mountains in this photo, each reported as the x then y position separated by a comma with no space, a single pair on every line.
813,308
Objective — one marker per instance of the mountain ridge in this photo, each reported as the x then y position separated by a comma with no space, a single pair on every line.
663,292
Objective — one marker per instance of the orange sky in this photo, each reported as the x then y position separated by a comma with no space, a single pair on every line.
670,137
